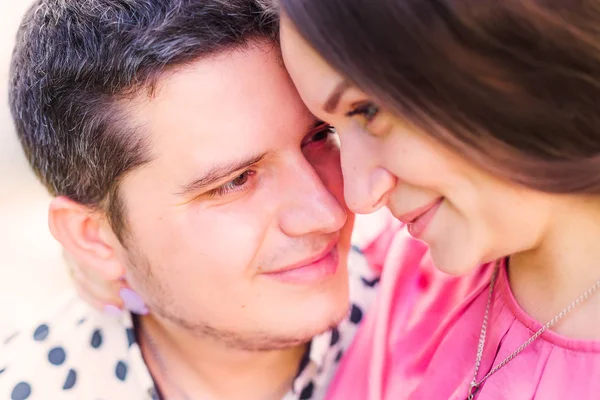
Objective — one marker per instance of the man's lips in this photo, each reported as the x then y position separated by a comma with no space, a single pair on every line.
307,262
412,216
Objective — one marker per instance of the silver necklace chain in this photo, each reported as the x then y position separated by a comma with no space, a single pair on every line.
476,385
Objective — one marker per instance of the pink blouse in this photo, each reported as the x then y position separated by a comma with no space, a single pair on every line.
420,340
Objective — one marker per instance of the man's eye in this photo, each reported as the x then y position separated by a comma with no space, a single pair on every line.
322,134
236,184
240,180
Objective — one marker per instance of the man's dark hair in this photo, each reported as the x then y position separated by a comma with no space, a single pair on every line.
75,61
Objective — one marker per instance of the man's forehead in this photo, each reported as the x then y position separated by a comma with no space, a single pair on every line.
220,113
246,89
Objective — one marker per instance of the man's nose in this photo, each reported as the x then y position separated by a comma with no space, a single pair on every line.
310,206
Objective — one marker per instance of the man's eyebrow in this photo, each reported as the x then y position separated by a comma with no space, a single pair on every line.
334,98
217,173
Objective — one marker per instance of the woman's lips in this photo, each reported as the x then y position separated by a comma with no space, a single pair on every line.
419,219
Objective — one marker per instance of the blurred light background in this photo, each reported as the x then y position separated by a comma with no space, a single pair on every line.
31,269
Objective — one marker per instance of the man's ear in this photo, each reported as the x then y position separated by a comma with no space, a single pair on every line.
85,233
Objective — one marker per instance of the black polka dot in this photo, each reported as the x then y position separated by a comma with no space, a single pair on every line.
303,363
41,333
307,392
57,356
96,341
2,370
21,392
339,356
131,336
70,381
81,321
121,370
356,314
153,394
335,336
370,283
357,249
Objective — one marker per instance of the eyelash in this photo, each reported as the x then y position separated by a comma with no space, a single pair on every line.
367,110
232,187
325,129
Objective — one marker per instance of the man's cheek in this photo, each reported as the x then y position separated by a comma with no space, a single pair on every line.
331,175
326,161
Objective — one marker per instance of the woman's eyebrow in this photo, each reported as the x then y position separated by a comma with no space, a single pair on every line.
333,100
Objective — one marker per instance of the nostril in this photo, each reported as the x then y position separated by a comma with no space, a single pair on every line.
381,183
364,207
380,203
367,192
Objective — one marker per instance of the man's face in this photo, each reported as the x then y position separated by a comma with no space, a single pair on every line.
238,227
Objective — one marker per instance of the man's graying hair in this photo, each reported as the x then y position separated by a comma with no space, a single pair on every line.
74,63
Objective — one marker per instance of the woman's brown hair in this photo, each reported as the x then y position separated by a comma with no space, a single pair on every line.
513,85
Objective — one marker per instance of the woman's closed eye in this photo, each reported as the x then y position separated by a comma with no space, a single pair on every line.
371,118
367,110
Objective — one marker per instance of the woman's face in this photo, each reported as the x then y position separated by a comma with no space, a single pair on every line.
464,214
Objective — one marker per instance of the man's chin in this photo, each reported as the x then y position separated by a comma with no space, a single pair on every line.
292,340
326,325
281,336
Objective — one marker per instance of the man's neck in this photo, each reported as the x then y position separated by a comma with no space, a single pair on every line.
184,366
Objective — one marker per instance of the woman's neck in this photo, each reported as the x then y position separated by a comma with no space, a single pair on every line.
566,263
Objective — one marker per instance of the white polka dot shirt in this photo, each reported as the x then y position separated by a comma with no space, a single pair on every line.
80,354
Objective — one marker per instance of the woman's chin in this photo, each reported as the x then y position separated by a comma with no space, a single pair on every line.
453,262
